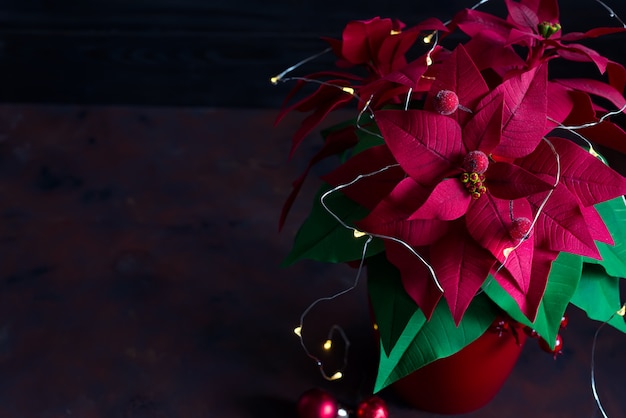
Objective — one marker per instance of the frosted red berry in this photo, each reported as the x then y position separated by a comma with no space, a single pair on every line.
476,162
519,228
446,102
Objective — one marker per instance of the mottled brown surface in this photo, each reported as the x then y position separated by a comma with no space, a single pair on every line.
140,277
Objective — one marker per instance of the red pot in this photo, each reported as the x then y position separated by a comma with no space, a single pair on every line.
468,379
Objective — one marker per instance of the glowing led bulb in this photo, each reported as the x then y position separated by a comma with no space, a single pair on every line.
428,38
622,311
274,80
298,331
328,345
348,90
336,376
358,234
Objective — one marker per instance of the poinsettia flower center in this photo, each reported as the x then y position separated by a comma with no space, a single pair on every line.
547,29
475,164
474,183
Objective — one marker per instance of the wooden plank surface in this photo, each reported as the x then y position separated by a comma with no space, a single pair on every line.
141,278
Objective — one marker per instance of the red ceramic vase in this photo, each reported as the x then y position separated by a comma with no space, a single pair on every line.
467,380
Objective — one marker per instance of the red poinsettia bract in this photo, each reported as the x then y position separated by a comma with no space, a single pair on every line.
471,181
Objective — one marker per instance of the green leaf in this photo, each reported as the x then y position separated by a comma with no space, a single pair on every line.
423,342
393,307
562,283
323,238
613,212
598,294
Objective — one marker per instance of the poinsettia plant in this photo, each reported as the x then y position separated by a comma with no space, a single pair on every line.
468,179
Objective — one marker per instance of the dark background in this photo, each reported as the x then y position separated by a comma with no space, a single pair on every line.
195,52
141,179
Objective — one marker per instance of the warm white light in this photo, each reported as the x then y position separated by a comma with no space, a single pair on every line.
348,90
622,311
428,38
298,331
358,234
274,80
336,376
328,345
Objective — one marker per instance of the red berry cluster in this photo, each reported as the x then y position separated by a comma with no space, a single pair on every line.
474,183
543,344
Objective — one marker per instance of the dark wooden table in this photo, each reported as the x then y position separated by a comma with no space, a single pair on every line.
140,277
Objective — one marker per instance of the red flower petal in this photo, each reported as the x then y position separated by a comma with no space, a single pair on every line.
596,226
529,299
460,75
581,53
509,181
389,217
370,190
560,105
522,15
362,39
561,225
524,115
416,277
427,146
590,180
546,10
461,266
484,129
595,87
472,22
448,201
489,221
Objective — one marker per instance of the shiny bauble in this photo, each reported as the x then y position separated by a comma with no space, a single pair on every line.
373,407
317,403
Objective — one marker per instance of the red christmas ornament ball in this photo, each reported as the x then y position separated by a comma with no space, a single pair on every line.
317,403
373,407
446,102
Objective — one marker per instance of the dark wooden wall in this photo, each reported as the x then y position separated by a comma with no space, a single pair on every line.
193,52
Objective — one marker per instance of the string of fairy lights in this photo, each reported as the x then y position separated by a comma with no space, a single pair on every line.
431,39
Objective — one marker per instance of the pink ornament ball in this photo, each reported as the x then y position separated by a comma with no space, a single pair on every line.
373,407
317,403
